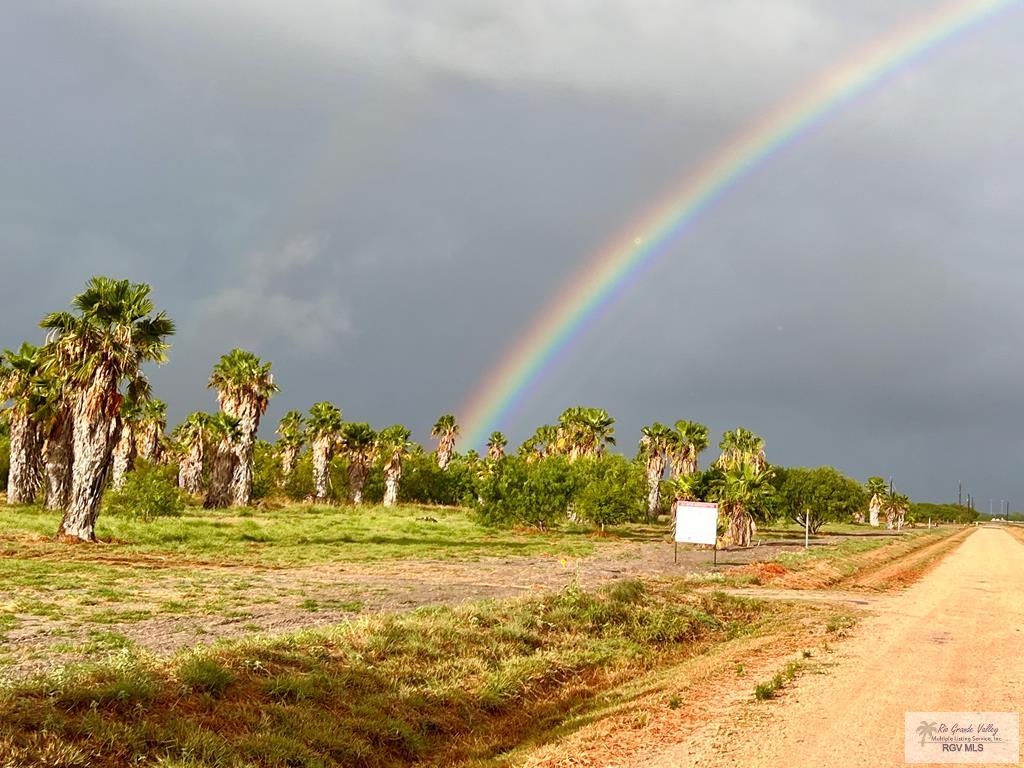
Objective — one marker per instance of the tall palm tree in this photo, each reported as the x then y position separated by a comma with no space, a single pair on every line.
543,442
741,446
496,444
190,438
17,384
445,430
101,348
359,443
53,415
125,451
690,441
244,387
741,489
584,432
292,436
393,445
895,506
225,432
323,428
655,445
877,490
150,429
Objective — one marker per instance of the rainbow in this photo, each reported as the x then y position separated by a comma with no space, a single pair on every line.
609,271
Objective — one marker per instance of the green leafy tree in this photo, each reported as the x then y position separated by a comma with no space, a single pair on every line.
608,490
515,492
100,350
817,496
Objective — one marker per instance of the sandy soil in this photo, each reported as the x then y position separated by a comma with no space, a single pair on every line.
954,641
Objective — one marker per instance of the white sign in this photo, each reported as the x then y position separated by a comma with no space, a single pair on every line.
991,738
696,522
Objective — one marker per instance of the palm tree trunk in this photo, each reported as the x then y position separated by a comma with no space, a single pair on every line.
96,431
23,477
57,455
219,494
190,472
874,509
655,470
148,444
392,477
241,476
357,472
124,456
289,456
444,456
739,525
321,468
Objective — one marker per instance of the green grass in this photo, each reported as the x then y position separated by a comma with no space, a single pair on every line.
770,688
445,684
301,535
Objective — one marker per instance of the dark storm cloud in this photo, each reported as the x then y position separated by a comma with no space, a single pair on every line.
378,196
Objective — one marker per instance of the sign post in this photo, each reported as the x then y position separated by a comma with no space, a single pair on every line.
696,523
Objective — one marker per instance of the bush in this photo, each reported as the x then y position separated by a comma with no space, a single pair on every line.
149,491
538,494
266,470
609,490
423,482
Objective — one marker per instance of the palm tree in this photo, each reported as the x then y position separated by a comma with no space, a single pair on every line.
895,506
740,490
877,490
244,387
741,446
496,446
225,431
292,436
190,437
393,446
125,451
323,428
101,350
445,430
690,441
926,730
584,432
540,444
152,421
654,449
17,379
359,442
53,415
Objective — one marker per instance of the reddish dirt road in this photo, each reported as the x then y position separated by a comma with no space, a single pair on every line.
954,641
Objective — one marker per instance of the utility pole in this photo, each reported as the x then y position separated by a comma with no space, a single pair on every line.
960,495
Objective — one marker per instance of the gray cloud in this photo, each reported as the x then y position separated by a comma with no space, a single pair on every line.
378,197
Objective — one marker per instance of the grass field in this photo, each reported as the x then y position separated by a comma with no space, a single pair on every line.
335,636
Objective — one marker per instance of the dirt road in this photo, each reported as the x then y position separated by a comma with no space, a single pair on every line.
952,642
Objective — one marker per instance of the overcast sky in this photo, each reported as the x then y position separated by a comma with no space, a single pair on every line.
377,196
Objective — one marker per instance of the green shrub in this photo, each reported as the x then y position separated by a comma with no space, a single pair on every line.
424,482
148,492
609,490
266,470
515,492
